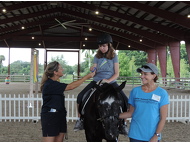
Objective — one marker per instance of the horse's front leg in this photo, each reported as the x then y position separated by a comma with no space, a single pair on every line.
115,140
91,137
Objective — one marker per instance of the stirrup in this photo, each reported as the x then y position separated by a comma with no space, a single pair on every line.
78,125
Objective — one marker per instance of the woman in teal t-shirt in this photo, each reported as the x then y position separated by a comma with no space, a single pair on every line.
148,107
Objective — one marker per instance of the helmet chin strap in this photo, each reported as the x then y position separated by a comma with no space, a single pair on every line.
107,51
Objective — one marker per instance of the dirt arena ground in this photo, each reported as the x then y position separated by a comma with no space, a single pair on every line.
31,132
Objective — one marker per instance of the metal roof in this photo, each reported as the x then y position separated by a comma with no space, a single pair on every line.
155,23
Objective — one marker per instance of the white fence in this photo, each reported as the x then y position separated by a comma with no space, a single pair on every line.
27,108
179,109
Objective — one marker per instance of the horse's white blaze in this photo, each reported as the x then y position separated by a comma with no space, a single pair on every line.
109,101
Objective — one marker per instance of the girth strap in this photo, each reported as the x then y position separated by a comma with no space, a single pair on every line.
82,111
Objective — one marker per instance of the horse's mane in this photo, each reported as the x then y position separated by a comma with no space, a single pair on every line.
108,91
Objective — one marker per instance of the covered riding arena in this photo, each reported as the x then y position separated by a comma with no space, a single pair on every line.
147,26
154,27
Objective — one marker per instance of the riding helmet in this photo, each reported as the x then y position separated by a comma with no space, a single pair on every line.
104,38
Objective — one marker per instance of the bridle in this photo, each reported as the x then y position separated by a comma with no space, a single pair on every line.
102,117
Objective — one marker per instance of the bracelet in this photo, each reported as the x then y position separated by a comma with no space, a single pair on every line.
158,135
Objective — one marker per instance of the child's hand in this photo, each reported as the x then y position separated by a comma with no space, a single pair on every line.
92,69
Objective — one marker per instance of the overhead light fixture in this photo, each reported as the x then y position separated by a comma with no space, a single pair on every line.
140,40
83,45
4,10
90,29
182,42
32,37
188,11
39,44
97,12
129,46
86,38
22,27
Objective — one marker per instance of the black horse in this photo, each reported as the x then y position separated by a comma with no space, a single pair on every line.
100,113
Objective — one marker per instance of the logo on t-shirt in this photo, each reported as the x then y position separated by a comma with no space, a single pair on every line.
103,62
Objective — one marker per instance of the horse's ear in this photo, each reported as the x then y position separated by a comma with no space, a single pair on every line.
119,88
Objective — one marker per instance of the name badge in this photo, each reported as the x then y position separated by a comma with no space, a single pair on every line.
155,97
52,110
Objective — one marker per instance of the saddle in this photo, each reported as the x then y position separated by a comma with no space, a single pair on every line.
86,97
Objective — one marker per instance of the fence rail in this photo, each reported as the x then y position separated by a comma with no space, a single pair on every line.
179,83
16,78
26,108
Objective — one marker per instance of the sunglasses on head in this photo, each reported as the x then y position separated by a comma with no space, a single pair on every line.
146,67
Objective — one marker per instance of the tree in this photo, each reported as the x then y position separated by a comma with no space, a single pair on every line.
85,66
183,53
127,65
67,69
88,56
123,64
133,67
20,67
2,58
184,56
184,68
130,60
140,57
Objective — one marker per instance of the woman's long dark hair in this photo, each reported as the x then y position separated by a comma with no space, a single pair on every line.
109,55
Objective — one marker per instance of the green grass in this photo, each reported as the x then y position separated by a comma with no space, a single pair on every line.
67,79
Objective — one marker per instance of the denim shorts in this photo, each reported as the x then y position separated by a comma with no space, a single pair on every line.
53,123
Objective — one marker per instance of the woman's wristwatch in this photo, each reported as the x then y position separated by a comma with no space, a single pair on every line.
158,135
